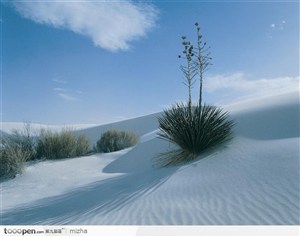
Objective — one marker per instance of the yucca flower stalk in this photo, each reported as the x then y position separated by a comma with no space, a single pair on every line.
202,61
189,70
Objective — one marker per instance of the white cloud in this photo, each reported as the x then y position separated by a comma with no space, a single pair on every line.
59,89
110,24
238,85
59,81
68,94
67,97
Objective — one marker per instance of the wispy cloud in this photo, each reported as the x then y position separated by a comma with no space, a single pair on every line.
59,89
67,94
59,81
67,97
110,25
239,85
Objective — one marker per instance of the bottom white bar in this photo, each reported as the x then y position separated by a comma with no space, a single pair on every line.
93,231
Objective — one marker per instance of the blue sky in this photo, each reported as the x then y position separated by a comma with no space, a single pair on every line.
94,62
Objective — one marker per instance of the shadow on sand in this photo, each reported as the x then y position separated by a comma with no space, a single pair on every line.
100,197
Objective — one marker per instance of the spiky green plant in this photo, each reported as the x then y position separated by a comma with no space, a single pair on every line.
193,133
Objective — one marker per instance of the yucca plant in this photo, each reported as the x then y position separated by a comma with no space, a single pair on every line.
193,129
193,133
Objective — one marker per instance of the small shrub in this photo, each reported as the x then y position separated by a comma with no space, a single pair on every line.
15,149
64,144
114,140
193,131
82,145
12,158
12,161
22,139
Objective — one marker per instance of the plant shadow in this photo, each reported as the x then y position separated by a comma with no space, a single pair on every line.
99,197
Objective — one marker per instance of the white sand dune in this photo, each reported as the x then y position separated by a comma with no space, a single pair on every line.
142,126
252,180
